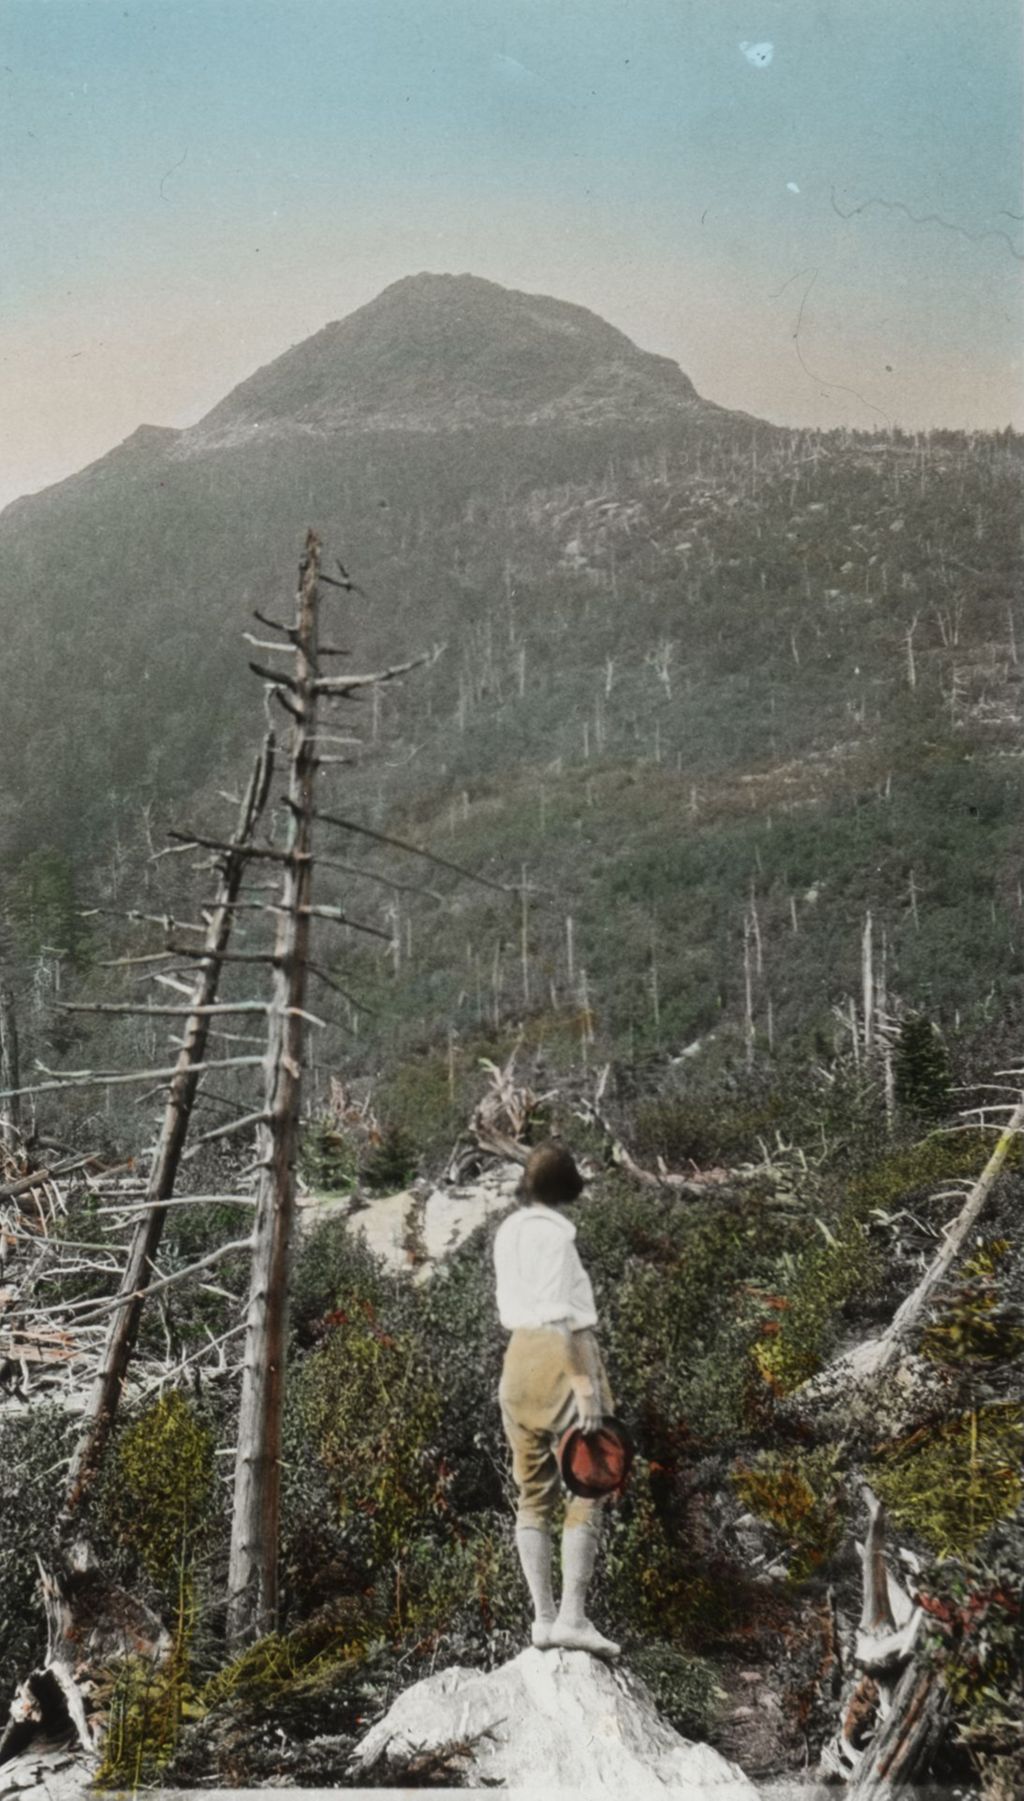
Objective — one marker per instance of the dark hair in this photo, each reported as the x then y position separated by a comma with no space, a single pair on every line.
551,1174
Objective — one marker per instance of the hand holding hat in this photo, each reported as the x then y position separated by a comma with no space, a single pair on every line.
588,1406
598,1462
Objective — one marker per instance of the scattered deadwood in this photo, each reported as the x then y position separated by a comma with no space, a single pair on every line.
503,1117
102,1405
89,1623
693,1186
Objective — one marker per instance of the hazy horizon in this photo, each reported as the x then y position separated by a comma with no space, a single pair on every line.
816,214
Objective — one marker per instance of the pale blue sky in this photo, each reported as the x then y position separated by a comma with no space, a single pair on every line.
189,186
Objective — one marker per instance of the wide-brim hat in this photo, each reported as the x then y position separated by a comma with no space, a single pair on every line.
596,1464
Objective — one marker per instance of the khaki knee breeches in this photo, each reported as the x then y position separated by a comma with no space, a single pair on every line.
537,1406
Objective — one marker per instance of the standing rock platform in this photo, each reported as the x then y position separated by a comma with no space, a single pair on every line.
549,1721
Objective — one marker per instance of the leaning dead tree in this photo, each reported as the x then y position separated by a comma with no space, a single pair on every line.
869,1362
895,1713
101,1407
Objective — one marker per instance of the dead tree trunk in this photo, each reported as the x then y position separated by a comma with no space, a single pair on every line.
109,1380
252,1572
907,1739
10,1107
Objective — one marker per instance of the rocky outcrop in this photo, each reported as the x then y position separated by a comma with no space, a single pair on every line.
550,1721
416,1229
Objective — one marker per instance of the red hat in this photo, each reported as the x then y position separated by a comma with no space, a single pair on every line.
595,1464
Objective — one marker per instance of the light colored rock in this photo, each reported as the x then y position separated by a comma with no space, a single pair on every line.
46,1773
416,1229
554,1721
451,1215
384,1226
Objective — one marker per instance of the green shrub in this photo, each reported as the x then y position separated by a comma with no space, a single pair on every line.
159,1495
146,1704
952,1483
979,1324
333,1268
685,1689
921,1067
706,1128
156,1500
467,1596
670,1279
651,1585
371,1412
391,1164
327,1158
800,1494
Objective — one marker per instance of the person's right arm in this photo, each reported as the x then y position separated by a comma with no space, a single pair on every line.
588,1401
554,1271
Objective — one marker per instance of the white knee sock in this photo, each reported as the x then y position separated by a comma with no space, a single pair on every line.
579,1554
572,1631
534,1547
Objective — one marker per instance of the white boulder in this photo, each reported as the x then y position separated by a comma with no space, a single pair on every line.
553,1721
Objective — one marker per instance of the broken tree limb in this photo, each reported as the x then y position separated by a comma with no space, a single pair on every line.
91,1078
101,1308
10,1112
887,1634
884,1642
103,1401
336,685
191,841
385,881
157,1012
246,1123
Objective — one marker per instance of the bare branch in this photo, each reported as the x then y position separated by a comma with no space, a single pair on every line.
347,684
366,831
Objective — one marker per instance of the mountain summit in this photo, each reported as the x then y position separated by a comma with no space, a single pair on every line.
437,352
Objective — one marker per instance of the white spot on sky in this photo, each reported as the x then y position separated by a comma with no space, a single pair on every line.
511,68
758,54
792,186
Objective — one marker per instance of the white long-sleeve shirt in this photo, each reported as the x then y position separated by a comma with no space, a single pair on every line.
540,1278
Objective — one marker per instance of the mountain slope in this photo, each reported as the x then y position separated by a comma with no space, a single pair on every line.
690,658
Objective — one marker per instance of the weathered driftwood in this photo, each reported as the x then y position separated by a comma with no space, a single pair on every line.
252,1569
106,1391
